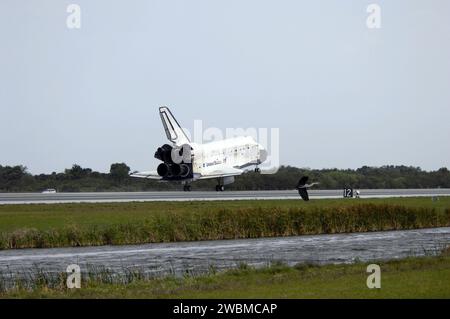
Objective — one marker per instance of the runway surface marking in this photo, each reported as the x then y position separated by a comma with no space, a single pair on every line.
103,197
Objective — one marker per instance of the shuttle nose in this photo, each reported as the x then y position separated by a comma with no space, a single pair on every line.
262,154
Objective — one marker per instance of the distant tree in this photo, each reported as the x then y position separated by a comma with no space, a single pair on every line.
13,173
77,172
119,171
11,177
17,179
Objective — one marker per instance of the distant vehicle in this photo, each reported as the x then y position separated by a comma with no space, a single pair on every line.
49,191
185,161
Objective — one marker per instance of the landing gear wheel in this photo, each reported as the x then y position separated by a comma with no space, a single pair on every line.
217,188
257,170
187,188
220,188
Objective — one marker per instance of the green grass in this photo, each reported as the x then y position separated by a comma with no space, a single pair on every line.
50,216
426,277
57,225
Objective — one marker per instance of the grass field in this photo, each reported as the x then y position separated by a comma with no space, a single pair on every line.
426,277
56,225
49,216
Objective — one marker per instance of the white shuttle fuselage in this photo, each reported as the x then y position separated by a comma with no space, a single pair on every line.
185,161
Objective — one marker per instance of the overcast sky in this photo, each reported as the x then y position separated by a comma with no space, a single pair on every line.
341,94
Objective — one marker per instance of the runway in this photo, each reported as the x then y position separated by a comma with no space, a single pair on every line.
199,256
99,197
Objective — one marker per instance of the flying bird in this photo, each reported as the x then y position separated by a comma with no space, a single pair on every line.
302,187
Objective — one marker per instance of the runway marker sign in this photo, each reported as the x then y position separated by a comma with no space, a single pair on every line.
348,192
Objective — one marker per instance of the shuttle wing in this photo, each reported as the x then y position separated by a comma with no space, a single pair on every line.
149,174
221,172
213,173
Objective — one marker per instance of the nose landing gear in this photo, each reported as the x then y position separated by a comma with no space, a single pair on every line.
186,187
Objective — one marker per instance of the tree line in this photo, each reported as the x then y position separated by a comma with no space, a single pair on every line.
79,179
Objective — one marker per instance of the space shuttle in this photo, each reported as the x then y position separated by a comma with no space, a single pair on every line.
185,162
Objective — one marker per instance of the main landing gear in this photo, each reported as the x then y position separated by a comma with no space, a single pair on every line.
187,187
220,184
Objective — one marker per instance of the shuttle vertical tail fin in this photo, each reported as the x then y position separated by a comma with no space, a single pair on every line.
173,129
